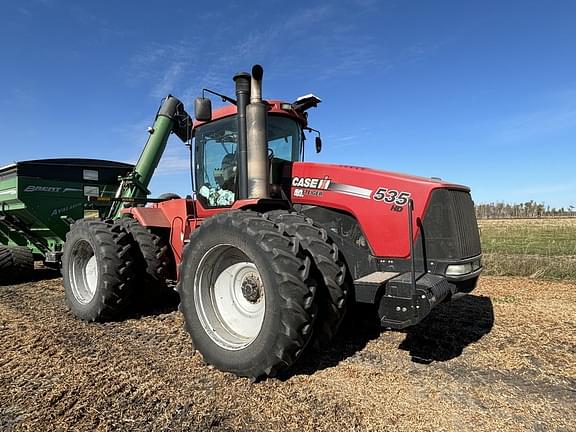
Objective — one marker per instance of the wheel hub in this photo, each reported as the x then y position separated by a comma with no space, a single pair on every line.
230,297
252,288
83,272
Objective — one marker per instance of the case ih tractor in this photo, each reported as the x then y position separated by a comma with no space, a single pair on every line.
271,250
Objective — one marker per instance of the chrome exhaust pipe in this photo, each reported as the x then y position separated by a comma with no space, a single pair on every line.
256,84
257,143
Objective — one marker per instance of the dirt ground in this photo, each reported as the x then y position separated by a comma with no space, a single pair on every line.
501,359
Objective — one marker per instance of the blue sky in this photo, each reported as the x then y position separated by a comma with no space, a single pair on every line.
480,93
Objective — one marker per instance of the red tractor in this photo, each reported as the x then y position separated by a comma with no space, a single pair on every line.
271,249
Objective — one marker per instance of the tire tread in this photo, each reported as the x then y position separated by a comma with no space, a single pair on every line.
333,289
116,273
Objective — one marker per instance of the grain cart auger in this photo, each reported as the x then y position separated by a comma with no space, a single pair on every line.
271,249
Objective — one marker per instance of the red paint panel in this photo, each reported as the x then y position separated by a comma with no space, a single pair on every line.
175,215
352,190
275,108
149,217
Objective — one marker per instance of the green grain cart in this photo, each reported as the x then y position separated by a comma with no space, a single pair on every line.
39,199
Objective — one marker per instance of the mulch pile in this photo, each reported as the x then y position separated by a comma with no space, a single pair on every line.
503,358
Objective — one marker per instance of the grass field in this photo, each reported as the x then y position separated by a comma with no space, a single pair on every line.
529,247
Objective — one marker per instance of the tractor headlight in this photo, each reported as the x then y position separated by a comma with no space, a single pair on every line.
458,269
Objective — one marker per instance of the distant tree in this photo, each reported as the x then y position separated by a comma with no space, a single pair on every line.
528,209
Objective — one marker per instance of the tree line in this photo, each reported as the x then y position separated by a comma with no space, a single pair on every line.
530,209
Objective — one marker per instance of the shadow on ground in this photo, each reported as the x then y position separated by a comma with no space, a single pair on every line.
441,336
449,328
39,274
360,326
153,304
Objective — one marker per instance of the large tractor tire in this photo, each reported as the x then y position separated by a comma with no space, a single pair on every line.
16,263
97,266
152,260
247,296
328,270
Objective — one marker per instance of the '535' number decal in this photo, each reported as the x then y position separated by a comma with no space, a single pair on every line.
391,196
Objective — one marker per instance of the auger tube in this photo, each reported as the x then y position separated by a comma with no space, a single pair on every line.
136,183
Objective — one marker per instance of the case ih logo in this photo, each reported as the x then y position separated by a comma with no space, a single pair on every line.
311,186
51,189
311,182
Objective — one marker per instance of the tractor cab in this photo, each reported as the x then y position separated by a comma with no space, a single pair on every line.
215,156
216,152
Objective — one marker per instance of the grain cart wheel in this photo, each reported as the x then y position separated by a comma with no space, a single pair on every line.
246,295
23,261
16,263
6,265
97,266
328,269
152,260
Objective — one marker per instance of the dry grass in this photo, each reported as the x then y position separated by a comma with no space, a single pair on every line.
538,248
503,359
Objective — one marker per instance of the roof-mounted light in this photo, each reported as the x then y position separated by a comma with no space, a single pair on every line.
306,102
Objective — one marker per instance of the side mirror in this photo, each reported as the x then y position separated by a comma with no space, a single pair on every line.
203,109
318,144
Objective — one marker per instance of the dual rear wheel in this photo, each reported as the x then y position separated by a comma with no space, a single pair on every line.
98,270
247,294
258,289
109,265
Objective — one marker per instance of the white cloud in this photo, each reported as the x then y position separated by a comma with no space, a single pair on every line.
537,124
168,79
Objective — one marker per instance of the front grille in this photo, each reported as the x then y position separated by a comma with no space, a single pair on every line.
449,227
466,224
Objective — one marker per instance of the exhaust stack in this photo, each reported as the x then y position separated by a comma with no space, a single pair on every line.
257,143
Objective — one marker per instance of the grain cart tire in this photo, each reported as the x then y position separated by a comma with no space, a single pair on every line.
22,261
6,264
247,298
16,263
328,270
97,266
152,260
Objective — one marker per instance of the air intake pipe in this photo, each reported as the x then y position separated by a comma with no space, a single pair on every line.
257,143
242,81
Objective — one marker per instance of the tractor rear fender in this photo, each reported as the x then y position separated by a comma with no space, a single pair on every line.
174,216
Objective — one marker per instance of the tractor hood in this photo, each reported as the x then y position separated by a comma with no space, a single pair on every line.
377,199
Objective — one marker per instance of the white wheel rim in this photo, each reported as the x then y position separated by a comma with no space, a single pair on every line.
91,275
229,297
83,272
